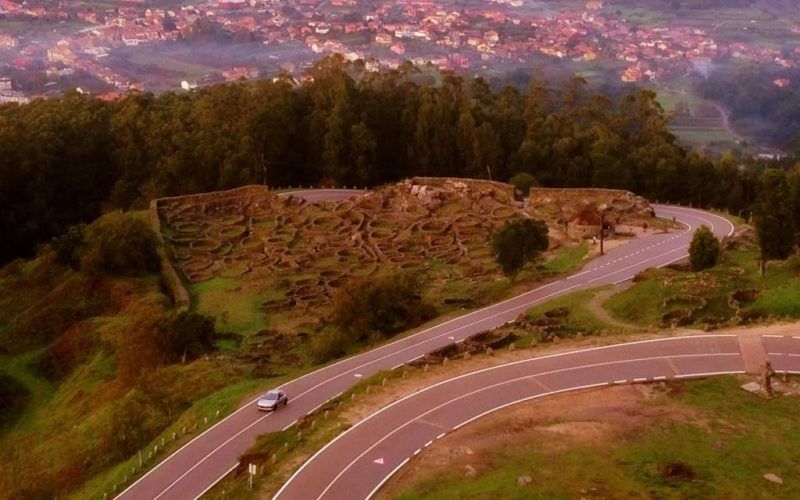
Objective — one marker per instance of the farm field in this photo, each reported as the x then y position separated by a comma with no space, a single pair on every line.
696,122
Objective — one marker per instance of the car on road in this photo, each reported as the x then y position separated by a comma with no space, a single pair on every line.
272,400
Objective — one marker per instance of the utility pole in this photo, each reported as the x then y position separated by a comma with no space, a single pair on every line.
263,169
602,209
489,171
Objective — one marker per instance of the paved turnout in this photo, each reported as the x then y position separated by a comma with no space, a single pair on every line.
201,463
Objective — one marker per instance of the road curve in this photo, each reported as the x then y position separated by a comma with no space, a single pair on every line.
201,463
359,461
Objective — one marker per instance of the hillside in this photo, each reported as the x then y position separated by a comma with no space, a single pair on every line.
101,366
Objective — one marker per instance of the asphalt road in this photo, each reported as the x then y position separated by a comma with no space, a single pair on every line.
201,463
358,462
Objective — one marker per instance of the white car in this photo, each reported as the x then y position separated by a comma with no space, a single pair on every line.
272,400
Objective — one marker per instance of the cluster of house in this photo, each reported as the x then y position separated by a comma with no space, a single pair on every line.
384,32
8,94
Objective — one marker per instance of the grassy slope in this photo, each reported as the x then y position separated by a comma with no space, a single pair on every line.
70,420
239,311
643,304
742,438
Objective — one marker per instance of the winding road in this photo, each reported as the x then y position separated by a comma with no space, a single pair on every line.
359,461
206,459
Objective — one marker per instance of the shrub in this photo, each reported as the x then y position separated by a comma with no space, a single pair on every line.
330,345
134,422
186,335
13,399
518,243
121,244
72,349
68,246
384,305
704,250
523,182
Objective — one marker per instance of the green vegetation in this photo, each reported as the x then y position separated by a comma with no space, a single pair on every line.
119,243
518,243
340,127
567,259
774,218
576,313
523,182
95,366
695,121
704,250
235,310
757,106
376,306
732,292
723,451
13,400
780,301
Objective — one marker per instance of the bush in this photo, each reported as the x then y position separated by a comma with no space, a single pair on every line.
121,244
384,305
518,243
134,423
523,182
186,335
71,350
330,345
13,399
68,246
704,250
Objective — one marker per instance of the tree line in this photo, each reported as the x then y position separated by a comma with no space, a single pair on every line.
758,106
65,161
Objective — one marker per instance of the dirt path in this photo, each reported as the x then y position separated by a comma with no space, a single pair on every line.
595,306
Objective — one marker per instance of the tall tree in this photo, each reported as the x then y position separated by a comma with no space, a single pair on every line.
774,218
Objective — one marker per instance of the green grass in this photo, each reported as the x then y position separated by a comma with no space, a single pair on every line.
141,58
235,311
641,304
19,368
781,301
193,421
660,291
734,439
580,318
567,259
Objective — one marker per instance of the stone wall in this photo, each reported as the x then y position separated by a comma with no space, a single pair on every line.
170,277
476,185
538,193
215,196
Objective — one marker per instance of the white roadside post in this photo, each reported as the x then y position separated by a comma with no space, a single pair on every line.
252,469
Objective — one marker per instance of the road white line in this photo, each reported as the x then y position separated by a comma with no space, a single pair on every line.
258,420
220,478
529,360
392,473
481,390
701,215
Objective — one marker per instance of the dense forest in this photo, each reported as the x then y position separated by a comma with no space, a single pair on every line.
65,161
764,100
